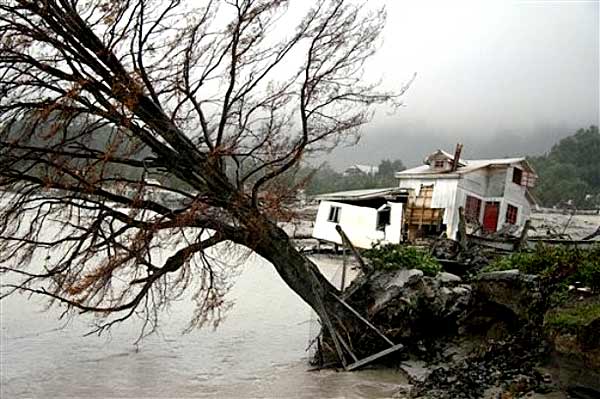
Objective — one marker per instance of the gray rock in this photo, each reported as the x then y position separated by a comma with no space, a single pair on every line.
512,290
403,391
403,277
416,370
448,277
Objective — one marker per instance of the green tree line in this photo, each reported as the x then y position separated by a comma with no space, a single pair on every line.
325,179
570,172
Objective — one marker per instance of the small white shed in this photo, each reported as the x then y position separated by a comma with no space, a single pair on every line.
366,216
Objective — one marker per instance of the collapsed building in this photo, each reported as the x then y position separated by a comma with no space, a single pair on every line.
493,194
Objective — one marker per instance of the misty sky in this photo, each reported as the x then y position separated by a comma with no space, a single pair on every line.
503,77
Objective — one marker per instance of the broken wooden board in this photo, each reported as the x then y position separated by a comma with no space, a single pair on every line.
370,359
532,242
507,244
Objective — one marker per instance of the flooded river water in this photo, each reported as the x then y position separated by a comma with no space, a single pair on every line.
259,351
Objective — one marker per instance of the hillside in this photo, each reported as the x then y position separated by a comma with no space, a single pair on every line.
570,172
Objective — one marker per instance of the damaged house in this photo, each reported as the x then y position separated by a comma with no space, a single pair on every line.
494,194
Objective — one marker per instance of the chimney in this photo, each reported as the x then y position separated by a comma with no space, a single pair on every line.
457,152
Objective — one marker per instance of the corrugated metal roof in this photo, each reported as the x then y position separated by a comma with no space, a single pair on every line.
362,194
470,165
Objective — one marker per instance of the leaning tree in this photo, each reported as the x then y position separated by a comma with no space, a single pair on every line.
132,126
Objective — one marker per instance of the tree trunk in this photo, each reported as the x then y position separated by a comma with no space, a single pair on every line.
305,279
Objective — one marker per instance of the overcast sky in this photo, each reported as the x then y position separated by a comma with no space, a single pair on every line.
503,77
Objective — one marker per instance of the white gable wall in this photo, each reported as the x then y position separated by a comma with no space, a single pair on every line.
359,223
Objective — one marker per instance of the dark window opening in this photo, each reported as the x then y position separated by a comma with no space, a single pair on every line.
334,214
383,218
517,176
439,163
511,214
472,209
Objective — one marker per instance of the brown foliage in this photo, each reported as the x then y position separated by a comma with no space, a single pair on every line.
129,128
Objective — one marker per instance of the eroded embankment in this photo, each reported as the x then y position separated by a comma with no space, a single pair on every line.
526,325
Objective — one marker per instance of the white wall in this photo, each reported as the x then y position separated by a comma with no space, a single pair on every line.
515,195
359,224
393,231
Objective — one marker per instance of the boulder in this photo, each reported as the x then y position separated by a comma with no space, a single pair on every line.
445,277
407,304
520,293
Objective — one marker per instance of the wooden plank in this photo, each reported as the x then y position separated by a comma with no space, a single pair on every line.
348,243
367,360
367,322
325,319
345,345
343,282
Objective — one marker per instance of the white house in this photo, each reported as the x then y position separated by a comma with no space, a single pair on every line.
361,170
494,193
366,216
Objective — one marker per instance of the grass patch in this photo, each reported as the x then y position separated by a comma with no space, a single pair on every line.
572,318
394,256
569,264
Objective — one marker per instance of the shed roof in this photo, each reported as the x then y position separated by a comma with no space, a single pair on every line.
363,194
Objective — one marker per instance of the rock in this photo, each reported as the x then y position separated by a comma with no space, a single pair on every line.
403,391
518,292
582,392
387,286
445,277
416,370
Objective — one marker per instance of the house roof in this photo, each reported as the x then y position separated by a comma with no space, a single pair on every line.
362,194
366,169
466,167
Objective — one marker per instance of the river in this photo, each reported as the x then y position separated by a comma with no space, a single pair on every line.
258,351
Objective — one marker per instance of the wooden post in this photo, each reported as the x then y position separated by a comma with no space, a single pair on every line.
462,229
523,239
346,346
457,152
343,283
346,241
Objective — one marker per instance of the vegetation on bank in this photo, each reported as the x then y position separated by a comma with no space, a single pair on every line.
561,268
566,264
394,256
571,318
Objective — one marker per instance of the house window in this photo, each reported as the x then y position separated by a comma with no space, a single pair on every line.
334,214
383,218
517,176
472,209
439,163
511,214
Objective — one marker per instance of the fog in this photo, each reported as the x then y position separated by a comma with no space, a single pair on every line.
504,78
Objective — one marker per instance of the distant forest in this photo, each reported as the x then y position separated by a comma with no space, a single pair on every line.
569,174
325,179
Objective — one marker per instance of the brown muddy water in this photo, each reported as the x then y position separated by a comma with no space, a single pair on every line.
258,352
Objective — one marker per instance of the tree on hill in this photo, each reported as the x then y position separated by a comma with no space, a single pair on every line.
219,101
325,179
571,171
